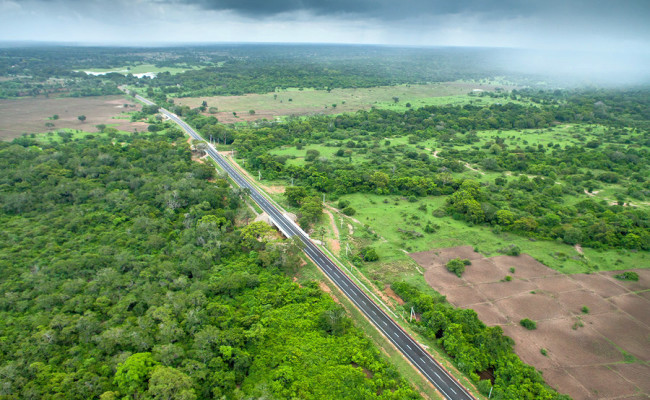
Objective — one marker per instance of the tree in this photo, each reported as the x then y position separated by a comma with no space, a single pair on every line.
168,383
81,118
311,155
457,266
132,376
295,194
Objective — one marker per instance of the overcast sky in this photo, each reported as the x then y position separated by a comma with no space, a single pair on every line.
617,25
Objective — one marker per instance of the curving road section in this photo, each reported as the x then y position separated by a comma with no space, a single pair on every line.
421,359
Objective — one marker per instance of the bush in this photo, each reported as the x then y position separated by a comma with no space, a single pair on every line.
528,324
514,251
349,211
544,352
369,254
627,276
343,204
439,213
457,266
585,310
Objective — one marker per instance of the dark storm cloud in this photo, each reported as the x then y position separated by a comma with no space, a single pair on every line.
380,9
615,12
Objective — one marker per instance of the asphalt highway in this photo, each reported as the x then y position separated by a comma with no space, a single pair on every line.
414,352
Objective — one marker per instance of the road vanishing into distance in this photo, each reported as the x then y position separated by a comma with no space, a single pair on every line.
421,359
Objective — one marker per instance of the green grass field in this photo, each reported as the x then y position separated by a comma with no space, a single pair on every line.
386,218
309,101
139,69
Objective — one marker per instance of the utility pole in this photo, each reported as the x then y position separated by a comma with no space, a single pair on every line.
259,175
412,314
490,395
292,181
347,249
323,198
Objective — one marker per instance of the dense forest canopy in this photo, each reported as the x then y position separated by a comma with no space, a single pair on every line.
127,273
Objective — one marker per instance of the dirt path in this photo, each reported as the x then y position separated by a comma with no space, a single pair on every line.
578,248
592,194
474,169
335,244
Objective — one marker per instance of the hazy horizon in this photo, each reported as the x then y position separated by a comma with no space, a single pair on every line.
580,38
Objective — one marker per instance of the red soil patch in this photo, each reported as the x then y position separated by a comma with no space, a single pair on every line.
525,266
623,331
574,301
565,383
638,374
535,307
556,284
500,290
439,277
634,305
484,270
570,347
29,115
489,314
463,296
603,382
645,295
390,293
618,320
601,285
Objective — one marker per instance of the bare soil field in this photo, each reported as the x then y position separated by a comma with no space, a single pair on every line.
598,352
308,102
29,115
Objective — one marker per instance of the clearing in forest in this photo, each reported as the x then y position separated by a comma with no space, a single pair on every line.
29,115
309,101
593,328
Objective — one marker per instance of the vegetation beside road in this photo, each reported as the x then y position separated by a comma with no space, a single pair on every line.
127,273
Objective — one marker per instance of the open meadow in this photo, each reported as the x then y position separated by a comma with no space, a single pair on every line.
312,102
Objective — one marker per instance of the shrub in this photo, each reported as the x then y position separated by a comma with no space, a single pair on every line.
457,266
627,276
512,270
369,254
514,251
528,324
349,211
585,310
544,352
343,204
508,278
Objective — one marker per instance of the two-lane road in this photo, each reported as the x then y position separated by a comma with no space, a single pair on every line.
421,359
